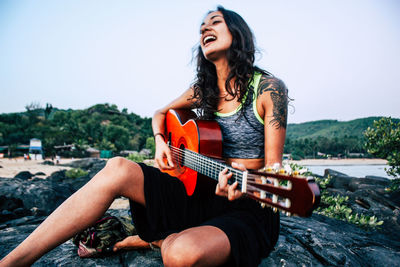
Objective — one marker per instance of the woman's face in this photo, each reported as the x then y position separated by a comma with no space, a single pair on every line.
215,39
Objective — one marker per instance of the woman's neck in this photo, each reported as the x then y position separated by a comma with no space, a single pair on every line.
222,69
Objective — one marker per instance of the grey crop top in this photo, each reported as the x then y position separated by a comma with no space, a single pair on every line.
243,134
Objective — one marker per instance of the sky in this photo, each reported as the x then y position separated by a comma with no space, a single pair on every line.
340,59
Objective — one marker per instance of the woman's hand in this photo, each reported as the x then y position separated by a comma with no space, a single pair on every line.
162,151
223,188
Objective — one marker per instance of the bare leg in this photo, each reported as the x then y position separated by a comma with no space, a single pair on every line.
197,246
120,177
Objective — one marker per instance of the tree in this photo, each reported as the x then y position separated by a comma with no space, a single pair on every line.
383,141
47,110
150,144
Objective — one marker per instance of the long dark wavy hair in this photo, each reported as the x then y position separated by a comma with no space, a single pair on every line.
240,60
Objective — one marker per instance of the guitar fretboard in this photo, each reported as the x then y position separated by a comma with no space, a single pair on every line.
204,165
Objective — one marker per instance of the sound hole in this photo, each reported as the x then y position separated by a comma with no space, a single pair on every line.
181,156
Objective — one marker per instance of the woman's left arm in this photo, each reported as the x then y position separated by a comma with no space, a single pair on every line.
273,103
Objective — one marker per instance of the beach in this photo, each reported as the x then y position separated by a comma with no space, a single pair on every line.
11,167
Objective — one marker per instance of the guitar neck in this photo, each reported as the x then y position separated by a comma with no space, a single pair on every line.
204,165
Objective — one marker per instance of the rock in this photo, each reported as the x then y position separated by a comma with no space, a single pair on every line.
376,183
334,173
340,182
96,167
40,193
10,203
24,175
85,164
40,174
395,197
1,166
380,178
314,241
48,162
57,176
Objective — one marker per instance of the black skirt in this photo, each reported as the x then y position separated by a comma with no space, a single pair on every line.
252,231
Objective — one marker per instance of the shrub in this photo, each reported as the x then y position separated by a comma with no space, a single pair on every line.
136,157
383,141
75,173
335,206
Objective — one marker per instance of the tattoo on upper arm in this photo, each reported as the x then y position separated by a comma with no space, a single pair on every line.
279,96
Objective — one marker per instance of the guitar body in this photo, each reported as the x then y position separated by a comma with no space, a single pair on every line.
196,148
200,136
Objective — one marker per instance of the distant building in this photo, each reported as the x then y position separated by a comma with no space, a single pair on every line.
93,152
35,149
356,155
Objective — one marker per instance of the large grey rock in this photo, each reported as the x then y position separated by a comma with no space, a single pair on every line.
85,163
314,241
332,172
24,175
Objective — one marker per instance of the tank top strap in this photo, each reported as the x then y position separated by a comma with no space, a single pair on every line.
256,84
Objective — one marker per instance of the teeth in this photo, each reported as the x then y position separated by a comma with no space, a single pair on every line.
209,39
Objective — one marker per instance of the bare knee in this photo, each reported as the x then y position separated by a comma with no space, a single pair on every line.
121,176
181,252
119,167
119,163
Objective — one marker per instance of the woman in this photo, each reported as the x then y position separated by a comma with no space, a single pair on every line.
209,228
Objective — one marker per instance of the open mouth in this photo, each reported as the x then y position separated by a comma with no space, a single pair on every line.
208,39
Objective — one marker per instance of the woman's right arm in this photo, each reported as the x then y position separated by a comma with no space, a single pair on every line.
184,101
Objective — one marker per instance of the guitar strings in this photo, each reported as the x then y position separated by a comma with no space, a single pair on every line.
202,162
184,156
189,156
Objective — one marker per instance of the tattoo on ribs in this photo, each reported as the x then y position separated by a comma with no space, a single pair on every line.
279,96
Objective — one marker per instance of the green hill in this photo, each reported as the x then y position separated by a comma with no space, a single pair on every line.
105,127
330,128
101,126
337,138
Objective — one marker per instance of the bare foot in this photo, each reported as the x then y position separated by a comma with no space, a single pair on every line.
131,242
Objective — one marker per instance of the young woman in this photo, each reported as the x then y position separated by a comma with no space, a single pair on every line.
209,228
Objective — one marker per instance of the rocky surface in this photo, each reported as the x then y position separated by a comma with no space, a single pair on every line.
314,241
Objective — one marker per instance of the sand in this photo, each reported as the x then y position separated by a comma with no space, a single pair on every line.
11,167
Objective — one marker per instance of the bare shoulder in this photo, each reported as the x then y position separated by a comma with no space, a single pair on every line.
270,84
273,95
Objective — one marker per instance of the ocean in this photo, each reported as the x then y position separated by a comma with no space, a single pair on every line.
352,170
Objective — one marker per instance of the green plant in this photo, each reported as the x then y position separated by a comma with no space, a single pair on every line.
336,207
383,141
394,185
323,181
75,173
136,157
364,221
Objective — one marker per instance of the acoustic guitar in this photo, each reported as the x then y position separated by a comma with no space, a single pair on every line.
196,147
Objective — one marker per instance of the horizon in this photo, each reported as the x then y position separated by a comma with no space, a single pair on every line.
75,54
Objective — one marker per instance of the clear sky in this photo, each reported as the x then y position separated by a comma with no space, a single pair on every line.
340,59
